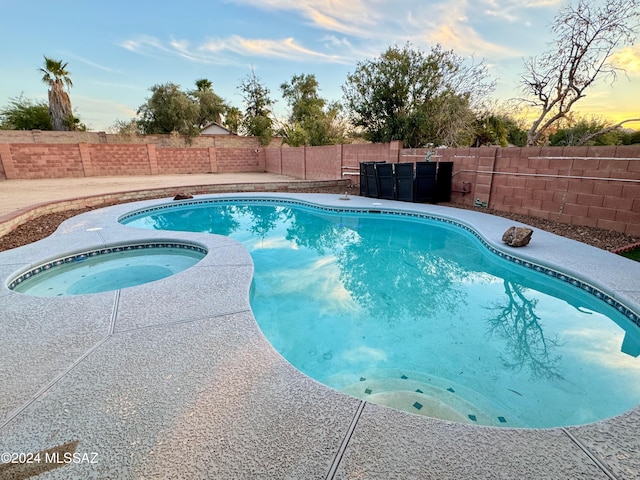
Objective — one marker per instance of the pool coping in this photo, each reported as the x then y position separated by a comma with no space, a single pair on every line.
286,432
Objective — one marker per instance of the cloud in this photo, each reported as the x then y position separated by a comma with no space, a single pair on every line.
88,62
355,17
287,48
144,44
628,59
226,50
345,32
513,11
454,31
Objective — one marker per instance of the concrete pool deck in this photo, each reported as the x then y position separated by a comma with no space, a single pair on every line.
173,379
17,195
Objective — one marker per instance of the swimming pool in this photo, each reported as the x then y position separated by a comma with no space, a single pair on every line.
419,314
107,268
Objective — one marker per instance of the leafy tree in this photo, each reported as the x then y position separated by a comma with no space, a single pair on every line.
312,120
630,137
257,119
517,135
420,98
498,129
302,96
125,127
491,129
233,118
586,35
25,114
211,106
169,110
582,131
56,75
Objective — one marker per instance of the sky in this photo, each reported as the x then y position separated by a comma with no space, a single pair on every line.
117,50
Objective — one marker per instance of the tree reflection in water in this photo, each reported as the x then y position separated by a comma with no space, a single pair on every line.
384,264
264,219
383,282
517,323
218,219
380,265
317,232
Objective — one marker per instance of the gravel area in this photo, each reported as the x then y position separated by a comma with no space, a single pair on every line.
605,239
597,237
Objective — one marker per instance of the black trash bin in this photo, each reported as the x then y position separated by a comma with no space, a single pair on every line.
363,180
443,182
371,180
384,174
404,181
425,182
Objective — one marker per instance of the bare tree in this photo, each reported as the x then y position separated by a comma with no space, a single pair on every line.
587,34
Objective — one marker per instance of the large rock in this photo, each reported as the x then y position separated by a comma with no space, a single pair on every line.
182,196
517,236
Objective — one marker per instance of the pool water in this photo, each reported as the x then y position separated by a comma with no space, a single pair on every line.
417,314
83,274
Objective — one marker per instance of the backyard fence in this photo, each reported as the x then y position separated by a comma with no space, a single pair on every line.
593,186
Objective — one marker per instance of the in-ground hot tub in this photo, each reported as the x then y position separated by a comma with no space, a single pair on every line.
108,268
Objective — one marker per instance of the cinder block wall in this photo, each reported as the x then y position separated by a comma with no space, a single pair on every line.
29,161
592,186
184,160
160,141
116,160
41,161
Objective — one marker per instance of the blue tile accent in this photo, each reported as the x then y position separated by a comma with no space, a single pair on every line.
417,405
502,420
368,391
404,377
419,391
472,418
362,379
80,257
450,390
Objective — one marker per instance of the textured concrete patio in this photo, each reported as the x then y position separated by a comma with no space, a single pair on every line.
174,379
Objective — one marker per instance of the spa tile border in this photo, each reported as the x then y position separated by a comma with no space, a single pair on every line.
81,256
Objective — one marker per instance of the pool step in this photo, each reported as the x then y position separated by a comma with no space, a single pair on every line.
417,397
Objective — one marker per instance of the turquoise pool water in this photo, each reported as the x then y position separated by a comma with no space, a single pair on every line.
418,315
105,269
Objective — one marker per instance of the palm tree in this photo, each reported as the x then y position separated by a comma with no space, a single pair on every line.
211,106
56,75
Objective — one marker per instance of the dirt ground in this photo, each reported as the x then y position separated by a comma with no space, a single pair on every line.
607,240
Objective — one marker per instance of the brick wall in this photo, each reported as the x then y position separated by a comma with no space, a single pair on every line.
160,141
28,161
184,160
370,152
327,162
42,161
323,162
230,160
48,137
116,160
592,186
292,161
273,160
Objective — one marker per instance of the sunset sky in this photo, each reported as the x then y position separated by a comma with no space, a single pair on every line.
117,50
